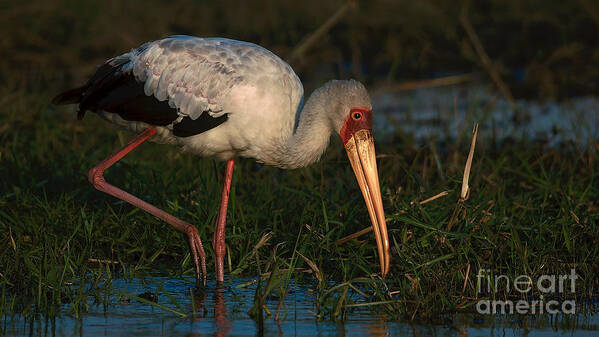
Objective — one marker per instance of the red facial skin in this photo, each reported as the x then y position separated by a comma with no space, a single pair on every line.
353,124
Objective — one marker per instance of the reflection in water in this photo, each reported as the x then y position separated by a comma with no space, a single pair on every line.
202,309
199,302
378,327
224,311
223,326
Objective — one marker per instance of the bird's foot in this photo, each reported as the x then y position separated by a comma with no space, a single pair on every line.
197,252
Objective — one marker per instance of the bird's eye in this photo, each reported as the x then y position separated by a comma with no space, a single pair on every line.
357,115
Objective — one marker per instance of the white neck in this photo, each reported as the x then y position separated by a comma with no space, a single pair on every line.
311,137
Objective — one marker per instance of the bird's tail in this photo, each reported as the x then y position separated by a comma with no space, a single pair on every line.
70,96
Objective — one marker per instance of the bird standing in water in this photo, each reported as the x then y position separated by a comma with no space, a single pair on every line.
229,99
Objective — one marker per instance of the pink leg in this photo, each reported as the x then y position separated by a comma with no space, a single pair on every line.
218,242
96,177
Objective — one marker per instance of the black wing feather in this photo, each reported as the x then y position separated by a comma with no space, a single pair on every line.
122,94
116,90
189,127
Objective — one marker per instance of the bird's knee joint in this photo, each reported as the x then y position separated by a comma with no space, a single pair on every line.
96,177
191,230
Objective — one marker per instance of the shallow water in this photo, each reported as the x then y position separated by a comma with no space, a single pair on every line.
224,311
426,114
448,113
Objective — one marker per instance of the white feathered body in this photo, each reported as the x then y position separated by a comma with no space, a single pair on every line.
258,91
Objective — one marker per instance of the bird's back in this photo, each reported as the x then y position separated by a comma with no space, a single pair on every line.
196,88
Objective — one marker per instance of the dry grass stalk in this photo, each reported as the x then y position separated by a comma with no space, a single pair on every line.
312,266
465,192
432,83
484,58
263,240
12,240
315,233
465,188
353,236
309,40
466,279
369,229
102,261
413,282
286,270
575,217
434,197
489,181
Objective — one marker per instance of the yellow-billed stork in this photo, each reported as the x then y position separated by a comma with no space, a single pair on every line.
228,99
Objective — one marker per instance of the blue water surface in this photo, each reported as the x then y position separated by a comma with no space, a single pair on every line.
224,312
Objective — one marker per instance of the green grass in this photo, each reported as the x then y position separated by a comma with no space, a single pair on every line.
532,210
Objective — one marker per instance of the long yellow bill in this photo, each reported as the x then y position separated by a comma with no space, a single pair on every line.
360,150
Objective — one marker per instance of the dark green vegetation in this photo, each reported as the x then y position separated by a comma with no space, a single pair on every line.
540,48
532,210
